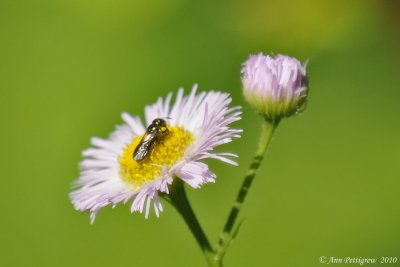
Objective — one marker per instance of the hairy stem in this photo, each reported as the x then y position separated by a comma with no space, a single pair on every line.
227,235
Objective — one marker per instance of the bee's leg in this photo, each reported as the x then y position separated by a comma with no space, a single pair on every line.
160,142
156,143
152,151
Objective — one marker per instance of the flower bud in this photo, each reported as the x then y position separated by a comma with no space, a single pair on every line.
275,86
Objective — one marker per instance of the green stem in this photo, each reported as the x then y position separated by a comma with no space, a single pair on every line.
179,200
226,237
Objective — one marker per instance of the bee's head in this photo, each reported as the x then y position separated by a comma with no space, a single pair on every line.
162,124
159,122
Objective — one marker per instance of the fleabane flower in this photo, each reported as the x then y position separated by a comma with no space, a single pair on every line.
275,86
196,124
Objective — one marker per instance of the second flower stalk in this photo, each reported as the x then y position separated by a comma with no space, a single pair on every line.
276,87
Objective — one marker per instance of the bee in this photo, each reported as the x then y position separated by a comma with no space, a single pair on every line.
154,134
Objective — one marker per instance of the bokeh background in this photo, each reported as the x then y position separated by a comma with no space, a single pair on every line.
330,185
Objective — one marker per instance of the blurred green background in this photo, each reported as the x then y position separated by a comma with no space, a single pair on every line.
330,185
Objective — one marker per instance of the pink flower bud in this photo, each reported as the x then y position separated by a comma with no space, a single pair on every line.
275,86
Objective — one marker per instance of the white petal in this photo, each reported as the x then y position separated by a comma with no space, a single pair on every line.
196,174
134,123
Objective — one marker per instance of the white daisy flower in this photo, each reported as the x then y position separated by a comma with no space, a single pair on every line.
195,124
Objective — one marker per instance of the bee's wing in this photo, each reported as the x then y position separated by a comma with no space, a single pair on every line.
140,153
145,147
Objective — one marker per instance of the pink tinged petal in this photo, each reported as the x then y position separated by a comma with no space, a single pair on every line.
177,108
92,163
160,207
121,136
196,174
167,105
141,202
93,216
105,144
186,112
150,113
134,123
157,205
147,207
123,196
165,180
137,204
98,154
219,157
158,110
164,170
95,177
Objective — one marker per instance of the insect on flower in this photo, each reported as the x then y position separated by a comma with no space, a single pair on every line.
153,135
140,163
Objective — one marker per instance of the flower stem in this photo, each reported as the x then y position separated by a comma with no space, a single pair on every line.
226,237
179,200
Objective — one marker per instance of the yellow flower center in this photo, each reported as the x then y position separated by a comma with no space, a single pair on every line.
168,151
